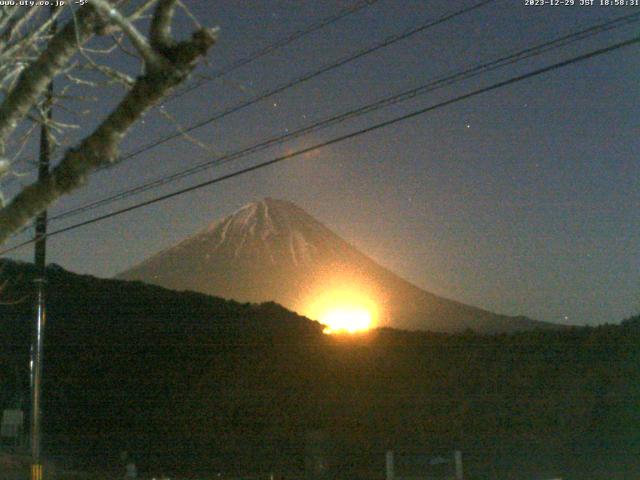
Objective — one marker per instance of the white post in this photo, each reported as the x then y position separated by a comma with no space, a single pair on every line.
390,472
458,460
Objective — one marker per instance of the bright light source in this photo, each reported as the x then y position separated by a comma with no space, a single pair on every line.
342,308
346,319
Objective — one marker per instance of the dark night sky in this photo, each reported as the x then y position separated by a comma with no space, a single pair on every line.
523,200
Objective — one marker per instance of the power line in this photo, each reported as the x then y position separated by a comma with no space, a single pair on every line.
385,43
324,22
308,76
429,87
356,7
342,138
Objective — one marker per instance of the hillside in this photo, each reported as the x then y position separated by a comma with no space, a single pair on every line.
189,383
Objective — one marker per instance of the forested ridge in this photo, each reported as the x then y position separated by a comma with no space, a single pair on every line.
189,383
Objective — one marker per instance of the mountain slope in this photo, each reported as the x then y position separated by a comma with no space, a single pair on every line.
274,250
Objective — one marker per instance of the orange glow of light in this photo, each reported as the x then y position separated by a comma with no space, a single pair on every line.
346,319
343,310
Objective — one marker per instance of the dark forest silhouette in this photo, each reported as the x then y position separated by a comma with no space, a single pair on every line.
188,383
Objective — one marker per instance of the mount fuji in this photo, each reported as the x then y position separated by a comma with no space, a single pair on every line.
272,250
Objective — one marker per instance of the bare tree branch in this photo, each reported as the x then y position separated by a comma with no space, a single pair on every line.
169,64
35,78
160,33
139,41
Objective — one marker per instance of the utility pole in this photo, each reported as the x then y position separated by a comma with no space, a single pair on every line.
40,279
390,466
457,458
37,342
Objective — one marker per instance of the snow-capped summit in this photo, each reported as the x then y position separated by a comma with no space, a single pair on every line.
274,231
272,250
